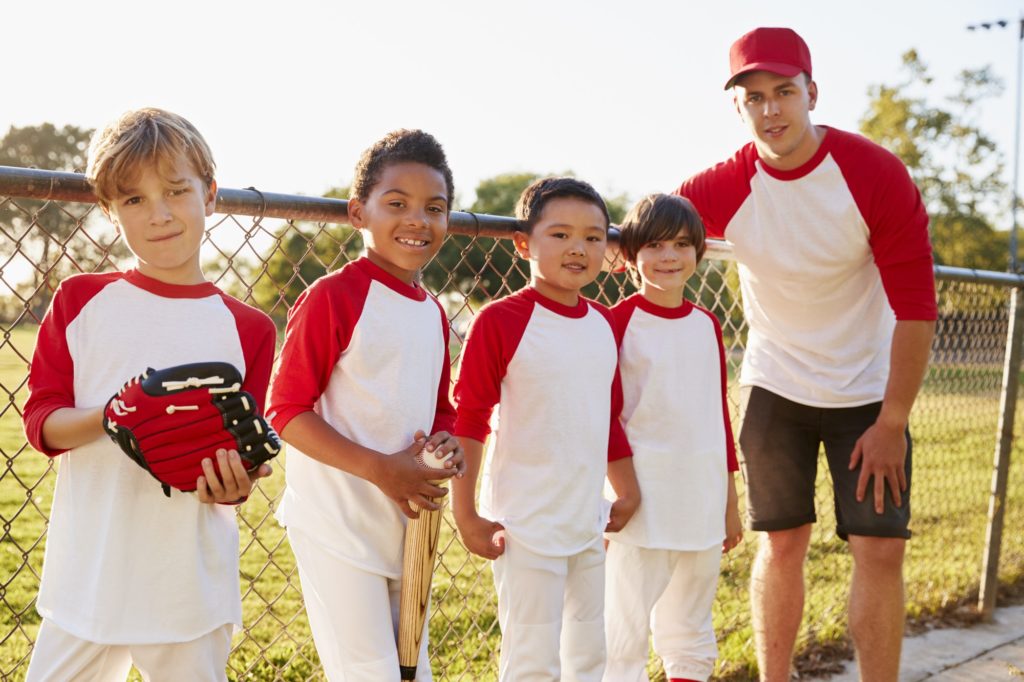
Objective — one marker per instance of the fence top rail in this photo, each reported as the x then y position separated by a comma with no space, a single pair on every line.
31,183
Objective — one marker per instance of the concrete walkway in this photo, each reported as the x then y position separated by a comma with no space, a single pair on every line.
987,651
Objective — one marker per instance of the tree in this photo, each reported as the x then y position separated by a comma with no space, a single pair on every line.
957,167
302,253
56,239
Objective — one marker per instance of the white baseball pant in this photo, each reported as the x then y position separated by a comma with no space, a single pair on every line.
353,615
551,611
669,594
59,656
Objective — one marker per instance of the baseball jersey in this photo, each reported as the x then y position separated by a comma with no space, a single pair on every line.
124,564
552,370
676,415
369,354
830,255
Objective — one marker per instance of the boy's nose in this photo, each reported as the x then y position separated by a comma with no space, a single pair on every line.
160,214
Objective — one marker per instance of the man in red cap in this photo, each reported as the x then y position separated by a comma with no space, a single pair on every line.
839,296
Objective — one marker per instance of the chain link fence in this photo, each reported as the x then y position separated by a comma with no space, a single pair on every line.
266,248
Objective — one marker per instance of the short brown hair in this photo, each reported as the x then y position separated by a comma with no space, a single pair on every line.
535,197
143,136
658,217
400,146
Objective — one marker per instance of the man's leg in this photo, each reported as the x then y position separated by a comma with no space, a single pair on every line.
876,605
777,598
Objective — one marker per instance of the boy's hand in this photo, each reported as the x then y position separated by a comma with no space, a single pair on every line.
404,480
233,485
733,524
440,445
622,511
481,536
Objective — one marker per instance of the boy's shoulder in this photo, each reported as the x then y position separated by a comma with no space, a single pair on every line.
74,292
247,314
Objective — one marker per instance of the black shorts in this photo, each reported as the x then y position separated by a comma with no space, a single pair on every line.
780,440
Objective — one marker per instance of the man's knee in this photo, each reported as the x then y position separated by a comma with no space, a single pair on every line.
877,554
785,548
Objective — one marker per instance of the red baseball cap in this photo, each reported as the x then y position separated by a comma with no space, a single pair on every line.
779,50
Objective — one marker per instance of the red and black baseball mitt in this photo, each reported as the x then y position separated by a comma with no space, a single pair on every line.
168,421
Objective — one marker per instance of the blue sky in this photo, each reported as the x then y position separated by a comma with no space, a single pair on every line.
626,94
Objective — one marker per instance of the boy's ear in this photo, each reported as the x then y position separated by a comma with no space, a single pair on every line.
355,213
812,95
211,198
521,241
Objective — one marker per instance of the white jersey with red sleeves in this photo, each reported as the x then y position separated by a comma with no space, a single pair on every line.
827,253
124,564
552,371
369,354
676,417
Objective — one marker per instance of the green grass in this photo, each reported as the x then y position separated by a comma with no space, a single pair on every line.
954,429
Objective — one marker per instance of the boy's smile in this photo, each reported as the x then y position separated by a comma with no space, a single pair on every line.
404,219
565,248
664,268
162,217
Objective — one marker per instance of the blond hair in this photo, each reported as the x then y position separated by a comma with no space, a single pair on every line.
143,136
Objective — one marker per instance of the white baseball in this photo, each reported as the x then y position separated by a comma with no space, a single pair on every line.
428,459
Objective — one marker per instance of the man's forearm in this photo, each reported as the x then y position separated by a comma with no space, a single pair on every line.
911,347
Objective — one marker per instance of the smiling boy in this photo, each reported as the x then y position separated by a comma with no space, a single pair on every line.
548,358
132,577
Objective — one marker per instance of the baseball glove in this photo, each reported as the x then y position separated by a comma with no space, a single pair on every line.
169,421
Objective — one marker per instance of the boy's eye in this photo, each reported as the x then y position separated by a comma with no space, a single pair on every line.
179,191
653,245
435,209
595,238
132,201
396,204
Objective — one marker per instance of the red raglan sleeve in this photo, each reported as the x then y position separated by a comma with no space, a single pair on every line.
719,191
891,205
732,464
258,336
320,326
490,343
618,444
51,377
444,414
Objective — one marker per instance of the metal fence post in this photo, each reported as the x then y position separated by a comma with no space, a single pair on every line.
1001,467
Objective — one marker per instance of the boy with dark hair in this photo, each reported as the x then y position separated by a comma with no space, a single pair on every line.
363,375
132,576
838,290
547,357
663,566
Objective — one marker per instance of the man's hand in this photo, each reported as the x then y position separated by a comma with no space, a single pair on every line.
481,536
881,453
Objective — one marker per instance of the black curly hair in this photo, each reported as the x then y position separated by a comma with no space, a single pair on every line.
400,146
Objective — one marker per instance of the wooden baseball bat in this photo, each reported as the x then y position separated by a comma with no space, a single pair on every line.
421,537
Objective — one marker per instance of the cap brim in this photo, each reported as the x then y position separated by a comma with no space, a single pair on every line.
787,70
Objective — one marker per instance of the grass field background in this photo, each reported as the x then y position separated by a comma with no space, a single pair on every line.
954,426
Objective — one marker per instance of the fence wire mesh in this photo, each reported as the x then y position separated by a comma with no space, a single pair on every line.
268,262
